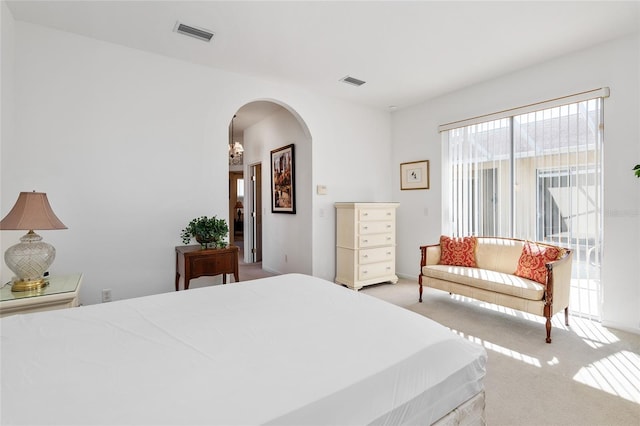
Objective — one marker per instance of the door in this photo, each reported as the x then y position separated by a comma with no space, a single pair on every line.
256,212
569,212
236,198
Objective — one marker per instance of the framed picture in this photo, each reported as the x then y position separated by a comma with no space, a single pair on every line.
283,182
414,175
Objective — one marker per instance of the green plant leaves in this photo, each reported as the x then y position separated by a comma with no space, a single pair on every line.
207,229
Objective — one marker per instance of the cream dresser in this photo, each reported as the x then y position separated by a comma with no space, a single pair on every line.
365,243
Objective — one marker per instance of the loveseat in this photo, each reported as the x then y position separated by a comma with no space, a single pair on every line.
518,274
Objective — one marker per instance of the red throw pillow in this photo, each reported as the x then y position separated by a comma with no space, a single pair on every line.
531,264
458,251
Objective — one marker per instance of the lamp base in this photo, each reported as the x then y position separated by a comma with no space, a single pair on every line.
29,260
29,285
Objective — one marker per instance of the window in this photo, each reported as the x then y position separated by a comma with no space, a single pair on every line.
240,188
532,174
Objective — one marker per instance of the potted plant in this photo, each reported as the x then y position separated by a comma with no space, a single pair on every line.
637,170
210,232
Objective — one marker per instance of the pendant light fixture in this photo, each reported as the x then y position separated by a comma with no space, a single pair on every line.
236,149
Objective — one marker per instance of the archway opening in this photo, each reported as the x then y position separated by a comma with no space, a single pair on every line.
282,242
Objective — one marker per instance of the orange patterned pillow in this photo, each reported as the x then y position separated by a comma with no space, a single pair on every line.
533,259
458,251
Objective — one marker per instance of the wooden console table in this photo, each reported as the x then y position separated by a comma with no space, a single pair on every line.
194,262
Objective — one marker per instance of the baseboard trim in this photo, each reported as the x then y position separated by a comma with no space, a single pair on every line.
271,271
618,326
412,277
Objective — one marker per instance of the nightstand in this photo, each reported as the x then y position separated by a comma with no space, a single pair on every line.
62,292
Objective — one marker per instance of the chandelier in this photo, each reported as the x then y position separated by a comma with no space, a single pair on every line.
235,148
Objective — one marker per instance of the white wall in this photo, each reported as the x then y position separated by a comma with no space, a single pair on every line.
614,64
129,146
6,86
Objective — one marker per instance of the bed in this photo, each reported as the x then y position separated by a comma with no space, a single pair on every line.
291,349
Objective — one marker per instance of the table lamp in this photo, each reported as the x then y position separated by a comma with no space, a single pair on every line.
238,207
30,258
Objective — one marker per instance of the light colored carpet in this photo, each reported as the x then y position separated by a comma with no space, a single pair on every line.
252,271
246,272
588,375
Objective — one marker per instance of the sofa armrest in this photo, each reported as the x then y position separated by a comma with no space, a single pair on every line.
559,282
430,255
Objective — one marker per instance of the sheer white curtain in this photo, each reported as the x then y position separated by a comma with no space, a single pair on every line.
532,174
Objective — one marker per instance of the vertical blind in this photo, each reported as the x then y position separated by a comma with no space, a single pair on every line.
533,173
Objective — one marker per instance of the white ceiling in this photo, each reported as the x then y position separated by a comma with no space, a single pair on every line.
407,52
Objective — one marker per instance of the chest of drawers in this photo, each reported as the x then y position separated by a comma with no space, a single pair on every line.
365,243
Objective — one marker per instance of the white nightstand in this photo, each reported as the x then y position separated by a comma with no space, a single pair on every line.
62,292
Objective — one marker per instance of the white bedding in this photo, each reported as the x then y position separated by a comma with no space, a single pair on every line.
291,349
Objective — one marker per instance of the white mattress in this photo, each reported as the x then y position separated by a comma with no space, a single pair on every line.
291,349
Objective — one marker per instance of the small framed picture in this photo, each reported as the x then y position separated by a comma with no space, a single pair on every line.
283,180
414,175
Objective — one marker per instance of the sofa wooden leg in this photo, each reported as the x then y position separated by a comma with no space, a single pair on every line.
548,330
566,316
420,298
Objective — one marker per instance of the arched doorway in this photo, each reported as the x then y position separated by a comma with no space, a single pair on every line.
283,242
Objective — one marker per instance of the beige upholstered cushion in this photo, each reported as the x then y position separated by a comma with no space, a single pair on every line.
499,282
497,254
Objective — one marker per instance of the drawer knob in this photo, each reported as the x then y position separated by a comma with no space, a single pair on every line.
365,227
365,241
364,272
365,214
388,226
365,256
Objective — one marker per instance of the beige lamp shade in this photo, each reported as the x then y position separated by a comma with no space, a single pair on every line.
30,258
31,211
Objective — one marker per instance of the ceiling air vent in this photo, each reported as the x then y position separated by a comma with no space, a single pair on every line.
199,33
351,80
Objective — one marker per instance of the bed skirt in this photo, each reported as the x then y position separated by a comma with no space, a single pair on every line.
466,414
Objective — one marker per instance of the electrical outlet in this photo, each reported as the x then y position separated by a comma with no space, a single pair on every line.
106,295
